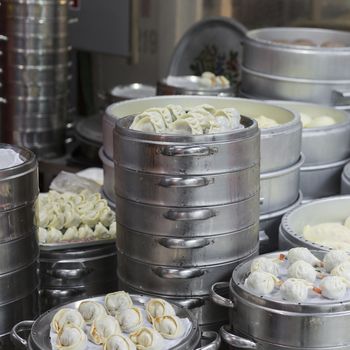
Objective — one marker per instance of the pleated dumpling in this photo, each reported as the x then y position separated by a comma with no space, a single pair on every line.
71,217
295,290
334,258
91,310
151,122
331,231
71,234
71,337
66,317
117,301
206,107
342,270
42,235
263,264
102,328
85,231
157,308
164,113
169,327
186,126
302,270
175,110
301,253
53,235
333,287
262,283
204,118
101,231
107,216
147,339
130,319
113,230
228,118
119,342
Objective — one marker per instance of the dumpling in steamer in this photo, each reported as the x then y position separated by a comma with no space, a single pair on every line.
102,328
147,339
262,283
321,121
148,122
265,122
119,342
91,310
117,301
130,319
228,118
186,126
302,270
333,287
71,337
263,264
158,308
327,232
66,316
334,258
295,290
175,110
169,327
164,113
301,253
342,270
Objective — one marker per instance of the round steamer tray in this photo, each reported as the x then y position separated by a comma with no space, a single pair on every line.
40,329
274,301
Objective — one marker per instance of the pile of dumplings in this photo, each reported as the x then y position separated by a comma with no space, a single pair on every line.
70,217
300,276
329,234
198,120
210,80
117,324
316,122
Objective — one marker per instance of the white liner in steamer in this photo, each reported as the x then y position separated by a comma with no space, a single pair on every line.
9,158
168,344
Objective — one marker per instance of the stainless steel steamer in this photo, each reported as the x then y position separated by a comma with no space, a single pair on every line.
40,329
345,180
263,323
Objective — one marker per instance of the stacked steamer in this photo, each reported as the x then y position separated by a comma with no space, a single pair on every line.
298,64
280,164
18,245
325,146
35,74
118,94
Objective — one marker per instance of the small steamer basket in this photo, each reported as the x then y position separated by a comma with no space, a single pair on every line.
40,329
267,323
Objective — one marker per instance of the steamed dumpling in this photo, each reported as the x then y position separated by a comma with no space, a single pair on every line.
71,337
66,317
106,216
130,319
90,217
113,230
321,121
117,301
302,270
175,111
85,232
265,122
342,270
263,264
101,231
169,327
228,118
71,234
165,114
301,253
102,328
334,258
295,290
119,342
262,283
151,122
186,126
147,339
57,220
333,287
222,81
91,310
71,218
158,308
42,235
53,235
327,232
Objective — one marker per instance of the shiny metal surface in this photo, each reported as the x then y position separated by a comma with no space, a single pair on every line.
345,180
280,189
37,42
264,86
108,174
187,251
322,180
336,137
186,191
174,281
263,55
269,227
186,155
39,90
39,123
180,222
202,308
128,92
132,107
235,340
332,209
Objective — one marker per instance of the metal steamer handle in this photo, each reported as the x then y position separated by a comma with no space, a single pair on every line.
179,243
21,326
339,95
66,273
195,181
189,215
263,237
236,341
190,303
188,151
64,293
218,299
172,273
214,344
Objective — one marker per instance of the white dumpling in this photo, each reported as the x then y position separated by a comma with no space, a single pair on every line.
158,307
85,232
302,270
203,117
305,119
295,290
186,126
334,258
64,317
327,232
85,207
44,216
147,339
71,337
57,220
119,342
71,218
113,230
169,327
101,204
301,253
265,122
71,234
117,301
107,216
222,81
53,235
262,283
90,217
101,232
130,319
91,310
342,270
151,122
333,287
207,80
228,118
164,113
102,328
321,121
175,110
263,264
42,235
205,106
